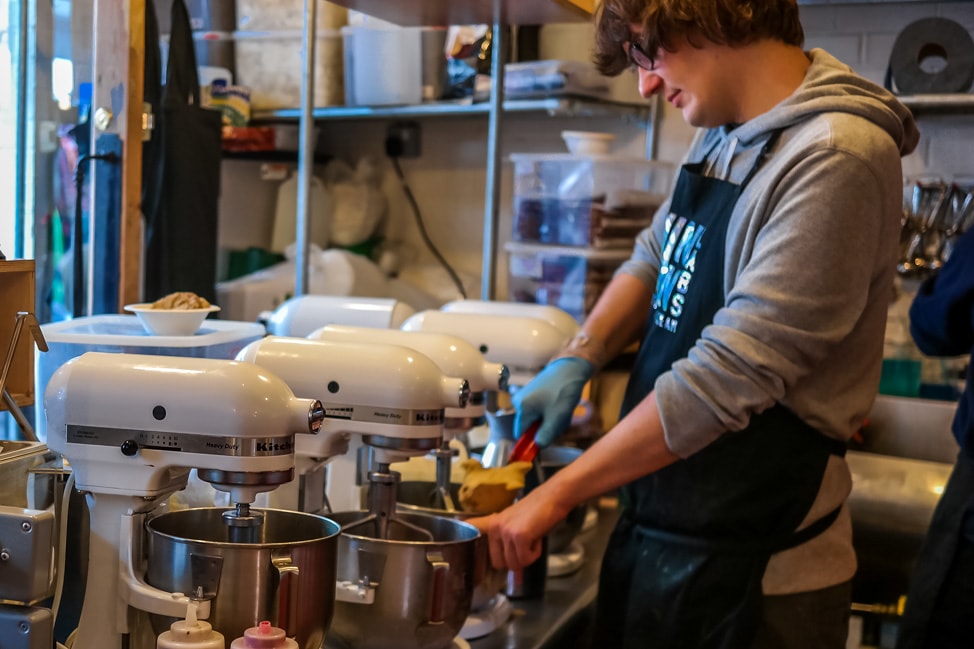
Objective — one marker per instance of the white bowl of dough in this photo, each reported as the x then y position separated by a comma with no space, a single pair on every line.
174,315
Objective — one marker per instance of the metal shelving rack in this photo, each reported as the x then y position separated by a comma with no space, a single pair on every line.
554,106
497,13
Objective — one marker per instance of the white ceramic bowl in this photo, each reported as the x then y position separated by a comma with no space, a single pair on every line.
170,322
588,142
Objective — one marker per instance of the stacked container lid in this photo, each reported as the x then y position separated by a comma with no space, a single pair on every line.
575,220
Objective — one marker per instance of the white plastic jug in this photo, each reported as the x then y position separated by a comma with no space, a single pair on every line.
286,214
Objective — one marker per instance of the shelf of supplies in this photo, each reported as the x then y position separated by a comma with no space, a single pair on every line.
554,106
466,12
940,103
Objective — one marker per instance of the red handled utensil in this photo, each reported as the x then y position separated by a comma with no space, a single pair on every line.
524,448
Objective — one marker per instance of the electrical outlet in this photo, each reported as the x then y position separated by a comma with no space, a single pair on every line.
402,140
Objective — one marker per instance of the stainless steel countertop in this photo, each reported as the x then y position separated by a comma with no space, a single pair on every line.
566,605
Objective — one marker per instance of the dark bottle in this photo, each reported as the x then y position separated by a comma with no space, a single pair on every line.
529,582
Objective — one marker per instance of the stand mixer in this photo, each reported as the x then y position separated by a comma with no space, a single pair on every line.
391,398
132,428
522,336
404,579
551,314
524,344
455,357
301,315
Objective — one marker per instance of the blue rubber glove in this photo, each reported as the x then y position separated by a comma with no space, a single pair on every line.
551,396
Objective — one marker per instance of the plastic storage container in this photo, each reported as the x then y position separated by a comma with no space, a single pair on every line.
270,63
124,334
383,65
571,279
598,201
260,15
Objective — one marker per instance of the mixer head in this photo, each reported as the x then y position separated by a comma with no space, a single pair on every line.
133,424
559,318
524,344
452,354
301,315
392,396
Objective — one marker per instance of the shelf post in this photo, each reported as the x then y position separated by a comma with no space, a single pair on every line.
488,284
307,150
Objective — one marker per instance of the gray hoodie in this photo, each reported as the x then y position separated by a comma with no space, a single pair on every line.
810,258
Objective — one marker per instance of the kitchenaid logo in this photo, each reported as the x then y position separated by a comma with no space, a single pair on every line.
678,263
429,417
273,446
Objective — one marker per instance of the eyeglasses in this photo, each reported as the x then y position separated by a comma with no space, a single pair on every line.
639,57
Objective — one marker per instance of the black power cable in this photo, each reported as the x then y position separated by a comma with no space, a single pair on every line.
77,290
422,228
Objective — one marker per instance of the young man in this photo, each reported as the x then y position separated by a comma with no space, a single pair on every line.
759,295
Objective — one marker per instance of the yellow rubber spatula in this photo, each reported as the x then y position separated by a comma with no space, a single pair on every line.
525,449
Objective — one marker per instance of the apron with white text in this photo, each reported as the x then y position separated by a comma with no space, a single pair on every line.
684,565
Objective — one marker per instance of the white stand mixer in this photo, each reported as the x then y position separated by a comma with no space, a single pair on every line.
389,397
551,314
455,357
522,336
301,315
132,428
524,344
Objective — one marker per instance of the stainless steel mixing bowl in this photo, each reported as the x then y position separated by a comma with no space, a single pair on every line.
287,577
417,496
405,591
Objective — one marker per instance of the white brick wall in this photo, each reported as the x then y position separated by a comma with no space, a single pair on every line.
863,36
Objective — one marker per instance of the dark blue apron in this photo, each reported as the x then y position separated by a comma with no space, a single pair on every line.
684,565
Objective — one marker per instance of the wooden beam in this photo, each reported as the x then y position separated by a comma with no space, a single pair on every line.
118,44
130,250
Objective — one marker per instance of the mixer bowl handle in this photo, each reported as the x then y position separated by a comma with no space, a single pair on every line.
287,592
438,592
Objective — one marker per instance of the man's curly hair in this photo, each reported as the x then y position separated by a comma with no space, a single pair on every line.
725,22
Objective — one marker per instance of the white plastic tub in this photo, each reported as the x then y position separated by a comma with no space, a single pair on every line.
382,65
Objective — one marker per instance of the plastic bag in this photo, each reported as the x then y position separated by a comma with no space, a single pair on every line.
358,204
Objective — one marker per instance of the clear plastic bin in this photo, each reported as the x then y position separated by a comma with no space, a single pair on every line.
571,279
598,201
220,339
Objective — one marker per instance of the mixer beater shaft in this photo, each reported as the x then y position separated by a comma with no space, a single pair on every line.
383,491
243,525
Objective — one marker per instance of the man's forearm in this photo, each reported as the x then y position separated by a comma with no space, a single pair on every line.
616,321
635,447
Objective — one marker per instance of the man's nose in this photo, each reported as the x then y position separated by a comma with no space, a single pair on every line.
649,83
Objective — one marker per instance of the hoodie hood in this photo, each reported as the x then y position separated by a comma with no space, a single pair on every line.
831,86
